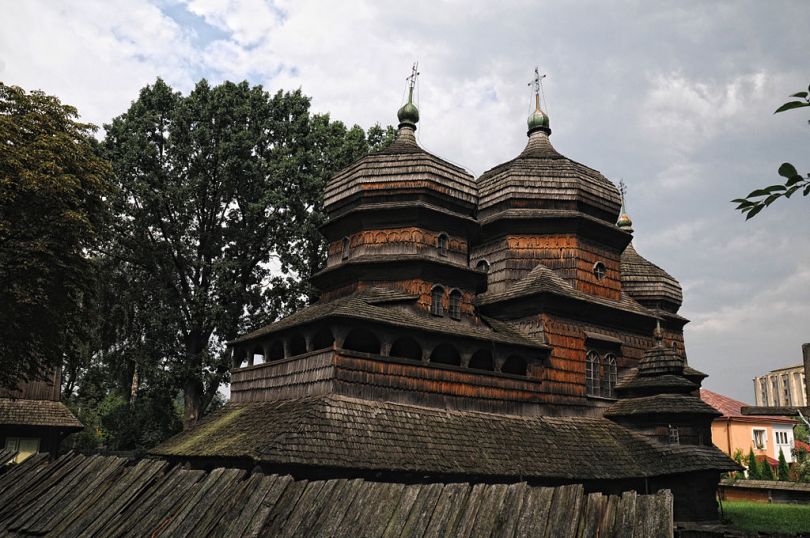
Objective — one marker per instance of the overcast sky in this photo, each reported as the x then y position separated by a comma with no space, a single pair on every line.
674,98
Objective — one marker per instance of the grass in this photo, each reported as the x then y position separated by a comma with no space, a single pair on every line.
756,517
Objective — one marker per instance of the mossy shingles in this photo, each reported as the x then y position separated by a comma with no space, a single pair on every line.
206,438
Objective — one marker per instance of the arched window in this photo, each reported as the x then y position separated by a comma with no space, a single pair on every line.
362,340
482,360
240,358
436,297
275,352
514,365
406,348
442,244
445,354
346,247
298,346
482,266
323,339
454,306
609,373
592,367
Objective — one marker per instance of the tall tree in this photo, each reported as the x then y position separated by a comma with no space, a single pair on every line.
783,471
753,466
219,200
53,185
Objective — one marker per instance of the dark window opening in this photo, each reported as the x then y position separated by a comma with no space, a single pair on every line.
674,435
323,339
445,354
608,375
240,358
346,247
406,348
514,365
275,352
258,355
362,340
436,296
455,304
442,243
482,266
298,346
482,360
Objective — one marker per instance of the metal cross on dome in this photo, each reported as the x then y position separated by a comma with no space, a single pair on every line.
536,81
622,189
412,77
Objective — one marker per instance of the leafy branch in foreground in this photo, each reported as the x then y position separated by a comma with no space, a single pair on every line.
759,199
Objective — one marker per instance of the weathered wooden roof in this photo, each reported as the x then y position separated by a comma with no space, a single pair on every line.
109,496
338,432
20,412
662,404
646,282
402,165
541,280
541,177
662,383
379,305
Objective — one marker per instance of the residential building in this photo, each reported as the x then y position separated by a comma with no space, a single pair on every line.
783,387
733,431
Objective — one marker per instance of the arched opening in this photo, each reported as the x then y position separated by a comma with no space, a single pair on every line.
406,348
482,266
609,375
275,351
442,244
514,365
240,358
258,355
298,345
323,339
436,296
346,246
445,354
362,340
482,360
592,367
454,305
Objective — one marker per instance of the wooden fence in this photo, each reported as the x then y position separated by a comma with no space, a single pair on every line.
79,495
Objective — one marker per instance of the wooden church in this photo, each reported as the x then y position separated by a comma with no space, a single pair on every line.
491,330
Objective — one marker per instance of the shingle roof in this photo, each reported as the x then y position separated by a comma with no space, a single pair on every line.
340,432
541,279
402,164
645,281
374,304
661,404
107,496
544,177
731,408
21,412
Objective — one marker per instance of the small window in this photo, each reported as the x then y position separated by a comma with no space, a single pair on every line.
346,247
482,266
608,375
436,297
592,367
599,270
759,439
25,447
442,243
674,435
455,304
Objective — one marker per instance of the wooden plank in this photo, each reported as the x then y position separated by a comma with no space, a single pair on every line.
277,517
608,522
306,503
466,521
421,510
507,520
534,514
377,519
663,515
591,515
448,510
267,505
319,507
231,491
344,495
625,516
399,517
353,521
564,513
164,510
207,497
239,514
491,506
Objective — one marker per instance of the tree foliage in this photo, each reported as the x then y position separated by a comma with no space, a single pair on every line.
783,471
759,199
753,466
53,185
216,215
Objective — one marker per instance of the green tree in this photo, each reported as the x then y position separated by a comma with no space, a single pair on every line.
783,471
53,185
218,207
759,199
753,466
766,471
738,457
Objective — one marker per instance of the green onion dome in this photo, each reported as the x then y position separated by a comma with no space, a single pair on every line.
538,121
408,115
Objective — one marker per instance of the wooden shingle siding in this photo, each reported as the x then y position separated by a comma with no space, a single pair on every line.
111,497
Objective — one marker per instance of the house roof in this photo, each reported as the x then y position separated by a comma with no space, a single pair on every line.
383,306
21,412
107,496
731,408
341,432
661,404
